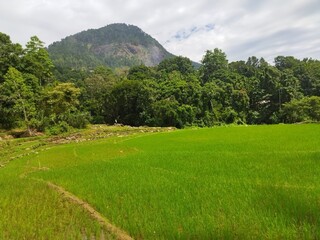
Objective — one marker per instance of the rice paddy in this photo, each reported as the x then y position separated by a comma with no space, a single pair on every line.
239,182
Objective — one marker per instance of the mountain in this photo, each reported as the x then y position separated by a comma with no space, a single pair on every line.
115,45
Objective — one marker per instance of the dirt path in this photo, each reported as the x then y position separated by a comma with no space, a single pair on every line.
118,233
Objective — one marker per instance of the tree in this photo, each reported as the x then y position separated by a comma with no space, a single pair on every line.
10,55
168,112
127,103
36,61
308,73
59,104
185,89
17,98
140,73
290,87
268,100
298,110
213,98
96,87
212,61
253,62
179,64
283,63
240,102
242,68
314,108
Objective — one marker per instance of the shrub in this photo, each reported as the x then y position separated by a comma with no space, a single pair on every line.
58,128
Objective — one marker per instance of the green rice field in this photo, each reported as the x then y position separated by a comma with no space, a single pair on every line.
233,182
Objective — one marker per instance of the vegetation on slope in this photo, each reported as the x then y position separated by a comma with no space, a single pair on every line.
116,45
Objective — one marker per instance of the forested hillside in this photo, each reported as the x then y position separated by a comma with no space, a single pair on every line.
35,95
116,45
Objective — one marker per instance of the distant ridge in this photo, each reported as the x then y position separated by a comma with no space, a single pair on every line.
115,45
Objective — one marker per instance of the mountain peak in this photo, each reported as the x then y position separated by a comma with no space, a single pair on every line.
115,45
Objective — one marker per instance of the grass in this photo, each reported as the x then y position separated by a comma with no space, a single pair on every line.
255,182
29,209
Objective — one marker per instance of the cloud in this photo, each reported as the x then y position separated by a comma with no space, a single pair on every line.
241,28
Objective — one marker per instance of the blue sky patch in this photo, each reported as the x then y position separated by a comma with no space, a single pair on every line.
186,33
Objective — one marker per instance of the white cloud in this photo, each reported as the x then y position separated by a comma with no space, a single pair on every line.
242,28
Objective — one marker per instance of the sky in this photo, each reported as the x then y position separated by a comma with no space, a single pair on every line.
241,28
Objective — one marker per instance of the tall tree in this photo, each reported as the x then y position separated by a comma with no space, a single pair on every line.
97,86
127,103
212,62
10,55
298,110
282,62
60,106
180,64
36,61
17,97
140,73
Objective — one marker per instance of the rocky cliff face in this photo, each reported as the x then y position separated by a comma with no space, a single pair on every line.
116,45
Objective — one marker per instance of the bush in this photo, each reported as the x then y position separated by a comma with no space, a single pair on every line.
62,127
306,109
78,119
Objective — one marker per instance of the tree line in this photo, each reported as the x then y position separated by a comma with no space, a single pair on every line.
37,96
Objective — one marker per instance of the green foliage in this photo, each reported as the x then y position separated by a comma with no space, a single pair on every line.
17,99
96,87
168,112
59,104
283,63
179,64
309,75
306,71
305,109
140,72
212,61
61,98
127,103
36,61
58,128
10,55
174,92
77,119
240,103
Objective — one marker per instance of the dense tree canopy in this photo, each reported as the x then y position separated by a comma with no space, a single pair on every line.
17,99
35,95
10,54
36,61
29,95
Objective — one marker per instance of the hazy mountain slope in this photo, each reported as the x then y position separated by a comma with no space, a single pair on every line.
116,45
